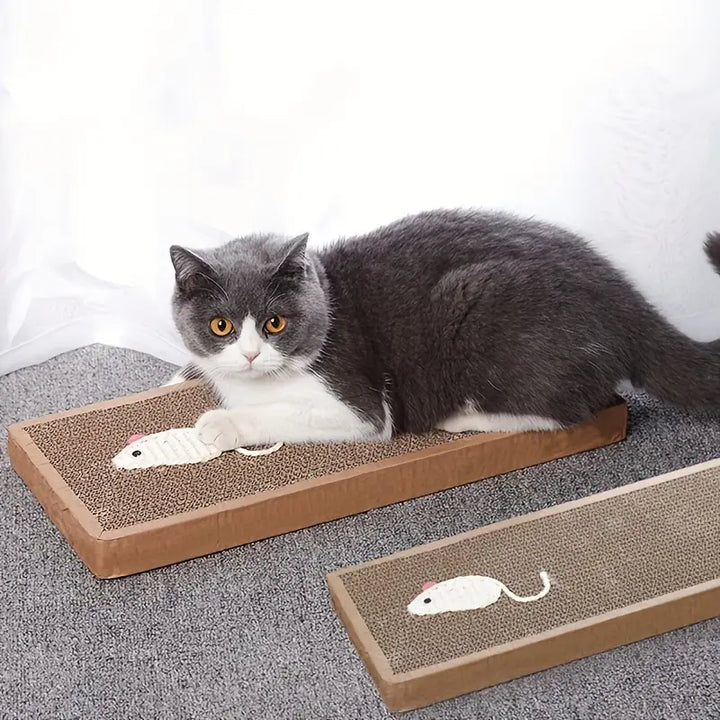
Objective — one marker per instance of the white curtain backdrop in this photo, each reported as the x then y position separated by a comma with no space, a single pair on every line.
125,127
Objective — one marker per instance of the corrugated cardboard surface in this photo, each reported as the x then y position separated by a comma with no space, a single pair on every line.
603,556
80,448
122,522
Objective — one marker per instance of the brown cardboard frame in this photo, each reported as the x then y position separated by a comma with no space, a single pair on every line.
442,681
148,545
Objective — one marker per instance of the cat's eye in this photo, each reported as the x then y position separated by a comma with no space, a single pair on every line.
275,324
221,326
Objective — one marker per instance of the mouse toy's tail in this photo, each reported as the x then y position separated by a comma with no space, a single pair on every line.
546,589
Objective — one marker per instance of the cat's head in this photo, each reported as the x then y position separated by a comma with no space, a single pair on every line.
251,307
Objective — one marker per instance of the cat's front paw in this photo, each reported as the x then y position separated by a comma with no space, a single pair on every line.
217,427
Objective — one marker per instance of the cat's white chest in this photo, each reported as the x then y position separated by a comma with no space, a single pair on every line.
294,408
303,388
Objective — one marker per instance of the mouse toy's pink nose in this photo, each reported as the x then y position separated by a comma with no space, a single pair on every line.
428,584
134,437
251,356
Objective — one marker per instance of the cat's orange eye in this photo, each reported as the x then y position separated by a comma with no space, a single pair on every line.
275,324
221,326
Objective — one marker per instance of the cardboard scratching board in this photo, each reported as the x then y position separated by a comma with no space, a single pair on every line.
126,521
624,565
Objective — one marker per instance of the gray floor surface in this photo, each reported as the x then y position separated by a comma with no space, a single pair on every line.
249,632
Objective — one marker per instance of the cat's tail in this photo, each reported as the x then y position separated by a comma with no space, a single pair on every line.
517,598
672,366
712,249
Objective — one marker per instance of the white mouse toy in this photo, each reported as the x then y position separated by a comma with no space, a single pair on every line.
467,592
179,446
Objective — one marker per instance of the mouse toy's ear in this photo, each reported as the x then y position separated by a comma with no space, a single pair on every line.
293,260
428,584
192,273
134,437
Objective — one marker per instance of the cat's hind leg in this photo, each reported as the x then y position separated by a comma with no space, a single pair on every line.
468,419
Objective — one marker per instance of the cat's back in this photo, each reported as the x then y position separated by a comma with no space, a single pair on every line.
428,245
434,233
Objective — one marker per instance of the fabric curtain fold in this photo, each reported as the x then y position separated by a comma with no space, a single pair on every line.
125,128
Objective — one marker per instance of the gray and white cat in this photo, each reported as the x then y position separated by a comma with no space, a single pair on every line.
452,319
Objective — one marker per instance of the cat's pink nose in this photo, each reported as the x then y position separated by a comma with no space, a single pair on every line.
250,357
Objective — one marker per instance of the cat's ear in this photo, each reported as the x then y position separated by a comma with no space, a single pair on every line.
192,273
294,260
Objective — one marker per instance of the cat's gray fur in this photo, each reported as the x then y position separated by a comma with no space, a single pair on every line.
438,309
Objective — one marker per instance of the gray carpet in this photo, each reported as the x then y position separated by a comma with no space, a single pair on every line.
249,633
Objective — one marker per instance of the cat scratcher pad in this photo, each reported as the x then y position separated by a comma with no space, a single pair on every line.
125,521
623,565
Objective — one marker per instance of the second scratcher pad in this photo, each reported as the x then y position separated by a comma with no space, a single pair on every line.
624,565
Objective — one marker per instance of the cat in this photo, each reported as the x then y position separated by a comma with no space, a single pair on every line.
457,320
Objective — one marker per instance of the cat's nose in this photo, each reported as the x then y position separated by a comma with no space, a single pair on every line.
250,357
